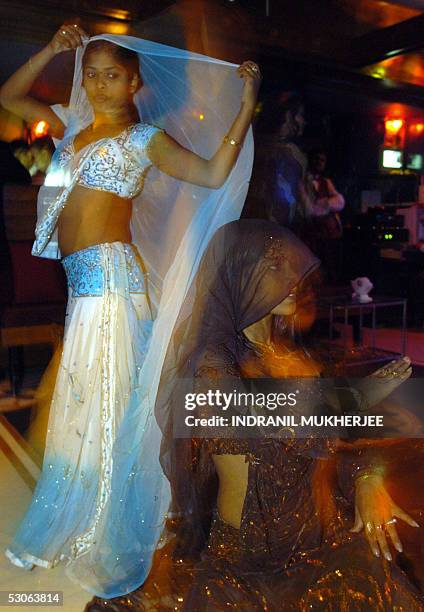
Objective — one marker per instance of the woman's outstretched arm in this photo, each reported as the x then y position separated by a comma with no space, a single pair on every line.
14,93
175,160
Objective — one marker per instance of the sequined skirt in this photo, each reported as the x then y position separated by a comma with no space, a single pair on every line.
344,576
107,331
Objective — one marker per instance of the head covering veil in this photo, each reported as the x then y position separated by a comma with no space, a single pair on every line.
249,267
195,99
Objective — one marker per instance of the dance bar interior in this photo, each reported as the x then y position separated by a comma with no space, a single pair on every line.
358,68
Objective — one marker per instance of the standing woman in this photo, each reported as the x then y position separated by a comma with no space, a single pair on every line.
101,500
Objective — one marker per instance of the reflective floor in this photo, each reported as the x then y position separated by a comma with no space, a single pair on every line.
18,473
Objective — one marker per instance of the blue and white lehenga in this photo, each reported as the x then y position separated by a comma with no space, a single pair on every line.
100,504
107,331
107,316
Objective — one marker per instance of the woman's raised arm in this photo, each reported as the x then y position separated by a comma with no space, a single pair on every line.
14,92
175,160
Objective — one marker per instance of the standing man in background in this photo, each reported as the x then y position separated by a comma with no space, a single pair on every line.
327,229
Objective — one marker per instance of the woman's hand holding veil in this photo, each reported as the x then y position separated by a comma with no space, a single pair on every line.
251,74
68,37
15,92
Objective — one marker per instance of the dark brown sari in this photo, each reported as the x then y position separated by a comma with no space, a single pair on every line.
293,550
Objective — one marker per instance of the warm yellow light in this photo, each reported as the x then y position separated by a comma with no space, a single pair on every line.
418,127
393,125
116,28
119,14
41,128
201,117
378,72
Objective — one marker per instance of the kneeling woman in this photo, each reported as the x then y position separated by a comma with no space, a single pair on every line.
273,531
99,504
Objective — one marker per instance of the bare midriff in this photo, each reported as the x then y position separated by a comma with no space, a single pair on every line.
93,217
233,471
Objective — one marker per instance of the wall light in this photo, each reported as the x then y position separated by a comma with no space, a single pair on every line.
394,136
393,125
418,128
40,129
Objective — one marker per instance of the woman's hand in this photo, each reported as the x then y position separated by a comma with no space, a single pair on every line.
15,92
67,37
377,514
249,71
376,387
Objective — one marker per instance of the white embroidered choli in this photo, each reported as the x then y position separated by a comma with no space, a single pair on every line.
115,164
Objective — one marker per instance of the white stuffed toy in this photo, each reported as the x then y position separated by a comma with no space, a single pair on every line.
361,287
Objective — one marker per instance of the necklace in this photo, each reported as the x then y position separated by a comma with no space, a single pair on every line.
264,348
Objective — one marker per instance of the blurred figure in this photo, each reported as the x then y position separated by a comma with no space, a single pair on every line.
326,229
328,199
23,154
42,150
280,190
11,168
285,190
11,171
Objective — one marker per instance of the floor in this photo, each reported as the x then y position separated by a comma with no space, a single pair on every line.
19,470
18,476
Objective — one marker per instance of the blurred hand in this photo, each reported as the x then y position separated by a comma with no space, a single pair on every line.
377,514
376,387
251,74
68,36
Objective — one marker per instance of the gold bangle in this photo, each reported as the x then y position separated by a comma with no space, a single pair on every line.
366,475
31,68
232,142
